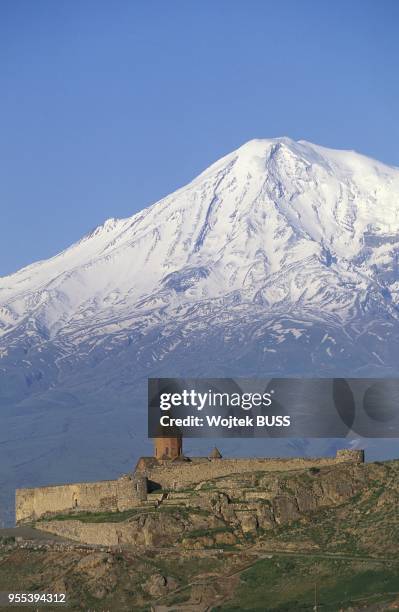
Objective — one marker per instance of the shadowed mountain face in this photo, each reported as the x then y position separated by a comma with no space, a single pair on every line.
281,258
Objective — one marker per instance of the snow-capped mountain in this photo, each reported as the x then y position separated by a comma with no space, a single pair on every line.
281,258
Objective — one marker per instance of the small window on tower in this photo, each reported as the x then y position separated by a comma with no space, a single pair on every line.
167,450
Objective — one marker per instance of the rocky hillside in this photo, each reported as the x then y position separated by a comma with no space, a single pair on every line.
226,510
247,542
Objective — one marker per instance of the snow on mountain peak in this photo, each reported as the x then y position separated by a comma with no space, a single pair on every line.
276,220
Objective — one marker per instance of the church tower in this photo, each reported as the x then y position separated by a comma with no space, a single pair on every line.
168,448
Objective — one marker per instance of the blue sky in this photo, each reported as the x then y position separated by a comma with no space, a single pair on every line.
106,106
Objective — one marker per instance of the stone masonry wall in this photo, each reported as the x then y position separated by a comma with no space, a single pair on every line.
105,495
128,491
352,456
173,475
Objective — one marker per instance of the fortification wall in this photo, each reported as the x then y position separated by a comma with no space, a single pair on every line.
105,495
178,475
181,475
128,491
352,456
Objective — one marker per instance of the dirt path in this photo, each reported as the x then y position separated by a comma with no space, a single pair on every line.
29,533
266,553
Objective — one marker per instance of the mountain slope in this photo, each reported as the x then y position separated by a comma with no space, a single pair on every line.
280,258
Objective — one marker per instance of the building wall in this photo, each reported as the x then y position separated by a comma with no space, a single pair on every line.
175,475
128,491
353,456
168,447
105,495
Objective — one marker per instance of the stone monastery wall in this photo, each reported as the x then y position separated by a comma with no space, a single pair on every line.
105,495
129,490
175,475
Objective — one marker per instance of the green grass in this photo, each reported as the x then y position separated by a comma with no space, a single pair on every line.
288,584
118,517
93,517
